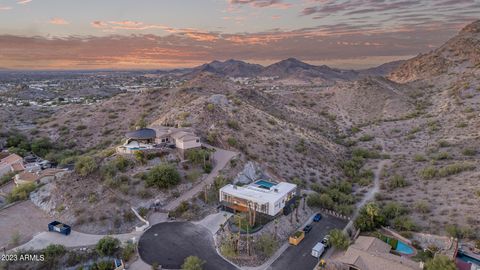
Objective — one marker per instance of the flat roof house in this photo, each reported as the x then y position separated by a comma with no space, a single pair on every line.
371,253
267,197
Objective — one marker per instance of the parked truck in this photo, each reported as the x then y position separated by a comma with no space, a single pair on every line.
59,227
318,250
296,238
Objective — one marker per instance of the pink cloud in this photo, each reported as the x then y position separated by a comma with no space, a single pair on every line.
2,8
23,2
58,21
261,3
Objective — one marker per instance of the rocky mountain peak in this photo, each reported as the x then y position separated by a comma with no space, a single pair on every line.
473,28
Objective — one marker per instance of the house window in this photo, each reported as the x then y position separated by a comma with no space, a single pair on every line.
163,140
197,141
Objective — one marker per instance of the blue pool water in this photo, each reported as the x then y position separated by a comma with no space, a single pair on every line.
265,184
404,248
467,258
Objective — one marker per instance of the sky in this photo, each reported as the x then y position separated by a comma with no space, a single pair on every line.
161,34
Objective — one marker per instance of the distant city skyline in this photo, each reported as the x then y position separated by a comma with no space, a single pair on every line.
150,34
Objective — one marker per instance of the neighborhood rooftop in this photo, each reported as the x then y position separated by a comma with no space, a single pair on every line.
259,193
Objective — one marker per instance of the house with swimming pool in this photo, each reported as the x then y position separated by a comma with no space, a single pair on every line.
158,137
263,196
371,253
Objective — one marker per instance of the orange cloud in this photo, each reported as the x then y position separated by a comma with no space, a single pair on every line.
58,21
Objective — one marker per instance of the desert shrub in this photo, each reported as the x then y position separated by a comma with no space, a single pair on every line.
422,207
440,262
419,158
107,246
442,143
397,181
6,178
163,176
441,156
366,138
266,244
21,192
210,107
300,147
457,231
85,165
391,210
233,124
454,169
232,141
469,152
320,200
428,173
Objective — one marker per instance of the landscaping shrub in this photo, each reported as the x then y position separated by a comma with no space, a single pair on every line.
440,262
107,246
193,263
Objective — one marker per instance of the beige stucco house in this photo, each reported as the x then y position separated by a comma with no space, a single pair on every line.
44,176
371,253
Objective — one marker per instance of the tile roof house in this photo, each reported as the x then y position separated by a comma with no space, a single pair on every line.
371,253
11,163
183,138
44,176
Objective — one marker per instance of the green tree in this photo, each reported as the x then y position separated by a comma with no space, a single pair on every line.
107,246
163,176
267,245
141,123
41,147
440,262
85,165
193,263
338,239
372,211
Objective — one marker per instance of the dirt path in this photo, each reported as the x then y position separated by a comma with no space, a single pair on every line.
370,195
221,158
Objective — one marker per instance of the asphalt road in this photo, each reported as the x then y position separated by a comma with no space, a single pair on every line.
168,244
299,257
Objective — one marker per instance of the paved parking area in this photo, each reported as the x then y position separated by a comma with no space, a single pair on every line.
299,257
24,219
168,244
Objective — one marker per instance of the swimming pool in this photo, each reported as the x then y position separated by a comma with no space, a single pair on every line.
265,184
404,248
467,258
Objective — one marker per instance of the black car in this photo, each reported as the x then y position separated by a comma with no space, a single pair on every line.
326,241
307,228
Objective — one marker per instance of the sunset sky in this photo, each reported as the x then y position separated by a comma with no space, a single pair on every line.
88,34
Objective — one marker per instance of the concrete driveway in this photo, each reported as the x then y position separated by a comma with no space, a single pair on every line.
299,257
168,244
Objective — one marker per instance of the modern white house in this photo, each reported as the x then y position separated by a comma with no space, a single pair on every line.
262,196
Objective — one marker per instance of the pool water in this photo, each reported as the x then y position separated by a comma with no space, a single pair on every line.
468,259
404,248
264,184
